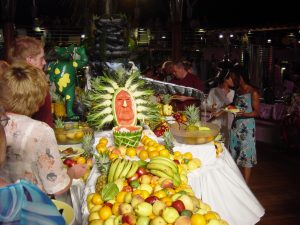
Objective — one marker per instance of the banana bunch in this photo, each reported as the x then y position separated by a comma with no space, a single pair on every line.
122,168
164,167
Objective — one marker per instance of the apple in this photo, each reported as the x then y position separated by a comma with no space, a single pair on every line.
143,209
145,179
94,216
69,162
96,222
176,161
134,177
178,205
110,205
127,188
168,183
143,220
187,201
128,197
183,220
137,199
129,218
213,222
158,221
142,171
170,214
187,213
158,207
122,150
146,187
125,208
151,199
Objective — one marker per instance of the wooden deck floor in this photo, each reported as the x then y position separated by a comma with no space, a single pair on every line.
275,182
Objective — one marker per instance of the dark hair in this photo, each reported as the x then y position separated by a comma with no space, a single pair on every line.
239,71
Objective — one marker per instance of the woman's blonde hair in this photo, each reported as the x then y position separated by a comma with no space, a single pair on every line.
23,89
3,66
24,47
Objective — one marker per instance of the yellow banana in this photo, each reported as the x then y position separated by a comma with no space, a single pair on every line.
119,169
112,170
164,168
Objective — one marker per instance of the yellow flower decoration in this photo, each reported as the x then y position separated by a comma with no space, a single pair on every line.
57,71
75,64
68,97
64,81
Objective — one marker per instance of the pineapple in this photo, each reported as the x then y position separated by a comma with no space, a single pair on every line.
59,123
103,164
192,114
167,108
87,145
168,139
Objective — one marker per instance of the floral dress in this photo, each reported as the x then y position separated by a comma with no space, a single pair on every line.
32,154
242,134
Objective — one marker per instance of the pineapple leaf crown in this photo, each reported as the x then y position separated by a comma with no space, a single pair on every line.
166,99
59,123
193,114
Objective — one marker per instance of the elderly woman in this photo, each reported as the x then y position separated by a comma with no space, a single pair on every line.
32,151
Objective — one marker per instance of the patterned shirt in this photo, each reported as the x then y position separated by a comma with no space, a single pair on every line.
32,154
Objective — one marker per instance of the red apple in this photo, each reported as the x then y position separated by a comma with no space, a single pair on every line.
178,205
134,177
129,218
127,188
69,162
176,161
151,199
141,171
108,204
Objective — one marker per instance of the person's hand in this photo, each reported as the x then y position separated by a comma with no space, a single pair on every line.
181,98
217,113
77,171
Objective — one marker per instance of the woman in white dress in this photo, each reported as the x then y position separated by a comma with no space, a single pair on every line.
218,98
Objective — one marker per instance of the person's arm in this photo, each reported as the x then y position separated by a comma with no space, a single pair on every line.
255,107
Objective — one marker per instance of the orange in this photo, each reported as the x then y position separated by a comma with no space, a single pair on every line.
164,153
188,156
143,155
153,154
151,148
105,212
131,152
167,201
177,154
160,147
101,148
151,143
115,208
121,196
96,199
103,141
211,215
113,156
79,135
198,219
81,160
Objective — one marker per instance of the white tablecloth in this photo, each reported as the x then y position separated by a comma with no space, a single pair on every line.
218,182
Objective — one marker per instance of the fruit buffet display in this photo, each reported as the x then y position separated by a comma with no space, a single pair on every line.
138,180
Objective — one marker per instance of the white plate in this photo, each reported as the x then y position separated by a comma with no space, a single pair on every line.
77,151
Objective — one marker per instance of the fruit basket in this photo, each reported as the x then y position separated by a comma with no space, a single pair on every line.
128,136
71,133
207,133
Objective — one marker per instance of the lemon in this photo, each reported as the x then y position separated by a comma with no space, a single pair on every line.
131,152
198,219
188,156
79,135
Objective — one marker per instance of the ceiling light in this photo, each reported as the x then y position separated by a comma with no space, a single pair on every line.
221,36
269,40
231,35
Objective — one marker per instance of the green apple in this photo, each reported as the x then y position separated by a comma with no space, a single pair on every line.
170,215
143,220
143,209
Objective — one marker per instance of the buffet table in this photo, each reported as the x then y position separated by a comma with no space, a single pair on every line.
217,182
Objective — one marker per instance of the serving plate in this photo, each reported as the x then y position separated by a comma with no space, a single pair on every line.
69,154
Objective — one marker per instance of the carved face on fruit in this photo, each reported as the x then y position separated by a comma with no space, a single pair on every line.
124,108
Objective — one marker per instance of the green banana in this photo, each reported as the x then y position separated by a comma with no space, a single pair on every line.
172,165
126,169
133,169
176,179
160,173
112,170
119,169
166,169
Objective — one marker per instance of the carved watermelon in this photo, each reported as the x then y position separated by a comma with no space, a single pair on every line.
128,136
124,108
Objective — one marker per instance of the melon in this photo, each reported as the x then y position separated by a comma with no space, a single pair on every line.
128,136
